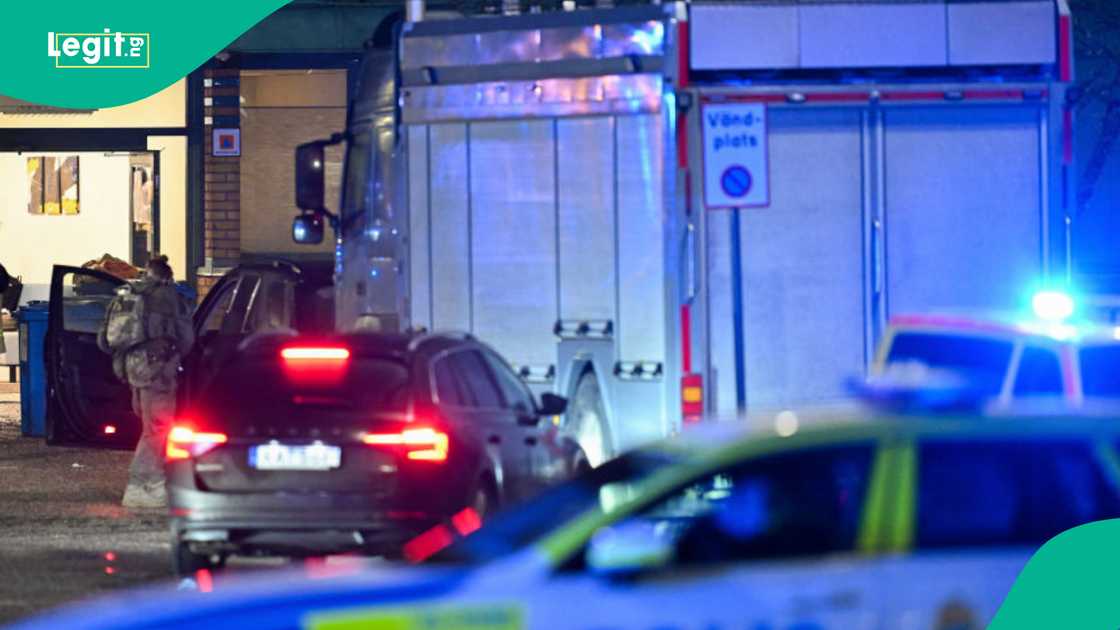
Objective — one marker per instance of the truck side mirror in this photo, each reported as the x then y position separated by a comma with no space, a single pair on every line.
307,229
310,187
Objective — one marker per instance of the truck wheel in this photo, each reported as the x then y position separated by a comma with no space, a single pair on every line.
588,418
185,562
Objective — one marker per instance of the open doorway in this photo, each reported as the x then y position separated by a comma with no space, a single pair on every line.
143,199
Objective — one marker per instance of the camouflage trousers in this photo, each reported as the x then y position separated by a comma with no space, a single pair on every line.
156,408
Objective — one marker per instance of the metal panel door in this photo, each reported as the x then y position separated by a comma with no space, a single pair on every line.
801,269
448,223
513,237
962,206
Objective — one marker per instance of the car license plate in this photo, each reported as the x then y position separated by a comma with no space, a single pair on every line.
276,456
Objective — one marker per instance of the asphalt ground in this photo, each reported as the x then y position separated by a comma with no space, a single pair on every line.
63,534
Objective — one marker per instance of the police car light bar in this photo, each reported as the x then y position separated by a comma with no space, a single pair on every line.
1052,306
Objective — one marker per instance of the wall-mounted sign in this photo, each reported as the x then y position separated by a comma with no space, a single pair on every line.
736,160
227,142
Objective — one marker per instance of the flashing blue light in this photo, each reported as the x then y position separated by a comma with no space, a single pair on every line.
299,231
1052,306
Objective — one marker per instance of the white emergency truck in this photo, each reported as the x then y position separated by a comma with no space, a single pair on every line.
671,211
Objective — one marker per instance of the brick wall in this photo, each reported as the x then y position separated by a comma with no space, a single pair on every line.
221,188
269,136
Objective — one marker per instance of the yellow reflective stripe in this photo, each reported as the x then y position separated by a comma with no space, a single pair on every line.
900,531
465,617
870,530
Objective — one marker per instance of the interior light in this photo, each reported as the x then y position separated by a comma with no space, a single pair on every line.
1052,306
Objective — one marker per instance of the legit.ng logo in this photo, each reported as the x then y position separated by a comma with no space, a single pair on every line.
106,50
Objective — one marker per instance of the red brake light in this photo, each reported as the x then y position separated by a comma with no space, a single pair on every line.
109,429
317,354
424,444
184,442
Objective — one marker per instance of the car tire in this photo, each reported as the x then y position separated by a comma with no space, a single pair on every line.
484,500
185,562
587,420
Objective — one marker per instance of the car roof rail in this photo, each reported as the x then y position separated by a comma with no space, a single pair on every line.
423,336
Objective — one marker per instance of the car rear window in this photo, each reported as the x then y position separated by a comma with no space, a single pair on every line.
976,493
260,386
1100,370
982,361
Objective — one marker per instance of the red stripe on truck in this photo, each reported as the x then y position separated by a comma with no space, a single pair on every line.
686,338
1065,53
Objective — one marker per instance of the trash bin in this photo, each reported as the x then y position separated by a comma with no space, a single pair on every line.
32,318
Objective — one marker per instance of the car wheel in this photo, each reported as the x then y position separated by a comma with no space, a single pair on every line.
185,562
483,502
588,416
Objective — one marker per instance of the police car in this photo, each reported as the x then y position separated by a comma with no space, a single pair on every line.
1047,354
863,523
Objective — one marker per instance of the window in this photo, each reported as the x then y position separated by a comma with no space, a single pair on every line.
989,493
982,361
1100,370
220,307
514,393
85,301
511,530
479,388
1040,374
794,504
272,306
446,384
372,385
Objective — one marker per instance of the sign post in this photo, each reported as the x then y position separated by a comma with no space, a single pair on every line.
736,157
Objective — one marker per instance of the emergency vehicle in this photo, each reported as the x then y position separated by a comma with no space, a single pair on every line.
857,522
1050,355
673,210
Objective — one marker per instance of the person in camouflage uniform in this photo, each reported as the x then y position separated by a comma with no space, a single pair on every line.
152,371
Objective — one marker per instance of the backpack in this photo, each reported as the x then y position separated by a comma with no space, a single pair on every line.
123,329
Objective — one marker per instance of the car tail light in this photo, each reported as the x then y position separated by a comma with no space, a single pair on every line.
109,429
293,355
692,397
184,442
425,444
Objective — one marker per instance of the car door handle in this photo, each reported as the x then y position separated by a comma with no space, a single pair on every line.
494,439
530,441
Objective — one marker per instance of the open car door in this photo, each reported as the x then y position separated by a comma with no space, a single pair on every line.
86,403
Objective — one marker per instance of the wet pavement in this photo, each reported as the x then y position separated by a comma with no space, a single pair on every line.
64,535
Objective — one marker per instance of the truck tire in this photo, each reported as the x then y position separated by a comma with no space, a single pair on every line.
588,421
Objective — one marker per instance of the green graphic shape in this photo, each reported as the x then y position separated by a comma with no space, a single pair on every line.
1069,583
169,41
